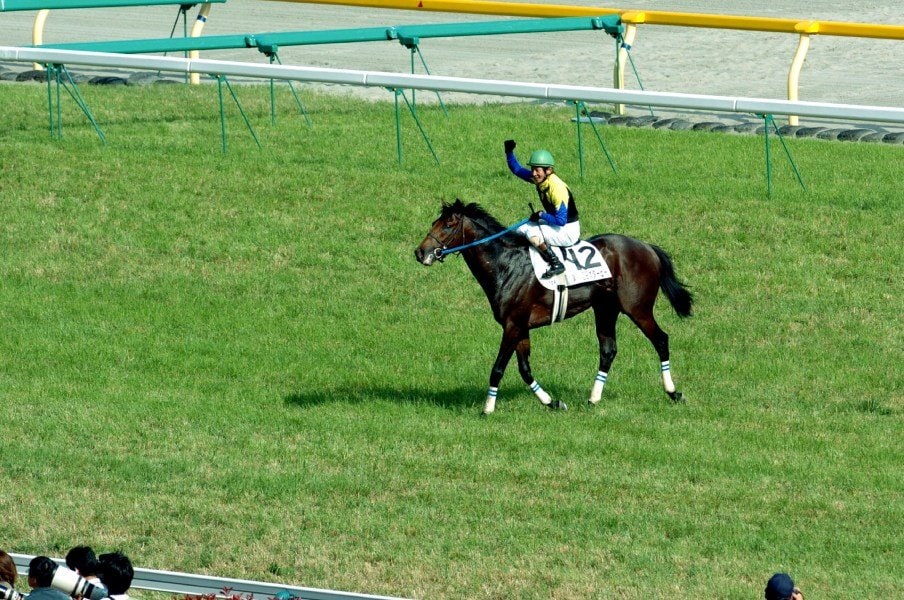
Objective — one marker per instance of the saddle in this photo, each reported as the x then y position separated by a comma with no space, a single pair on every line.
583,264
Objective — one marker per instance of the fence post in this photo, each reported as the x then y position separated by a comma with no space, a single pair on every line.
195,78
37,33
797,64
631,21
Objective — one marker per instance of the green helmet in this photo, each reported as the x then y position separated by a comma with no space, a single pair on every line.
541,158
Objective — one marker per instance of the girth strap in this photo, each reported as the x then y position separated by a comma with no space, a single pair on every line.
559,304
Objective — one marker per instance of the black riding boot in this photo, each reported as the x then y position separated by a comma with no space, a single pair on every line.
555,265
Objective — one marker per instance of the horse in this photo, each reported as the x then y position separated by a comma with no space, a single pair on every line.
500,261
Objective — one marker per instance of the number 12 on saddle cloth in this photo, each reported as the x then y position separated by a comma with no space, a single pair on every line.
583,264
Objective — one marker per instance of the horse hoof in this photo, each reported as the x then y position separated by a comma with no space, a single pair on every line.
677,398
557,405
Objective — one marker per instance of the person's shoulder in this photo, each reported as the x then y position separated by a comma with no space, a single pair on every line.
557,182
557,179
48,593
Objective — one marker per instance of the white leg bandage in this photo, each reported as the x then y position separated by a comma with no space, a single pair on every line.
667,377
542,396
490,405
596,392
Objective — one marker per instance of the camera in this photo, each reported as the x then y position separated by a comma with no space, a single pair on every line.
9,593
75,585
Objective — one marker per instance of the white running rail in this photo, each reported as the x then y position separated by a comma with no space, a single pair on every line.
759,106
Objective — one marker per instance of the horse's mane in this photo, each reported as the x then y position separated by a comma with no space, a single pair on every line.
473,211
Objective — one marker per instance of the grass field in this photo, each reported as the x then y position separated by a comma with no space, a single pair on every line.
232,364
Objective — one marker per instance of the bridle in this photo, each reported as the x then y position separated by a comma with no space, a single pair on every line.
441,253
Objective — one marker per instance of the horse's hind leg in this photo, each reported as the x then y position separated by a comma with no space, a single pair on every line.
605,334
660,340
523,352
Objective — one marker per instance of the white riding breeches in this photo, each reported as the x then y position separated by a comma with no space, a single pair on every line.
537,233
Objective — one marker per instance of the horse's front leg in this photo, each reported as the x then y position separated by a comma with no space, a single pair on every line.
512,336
523,352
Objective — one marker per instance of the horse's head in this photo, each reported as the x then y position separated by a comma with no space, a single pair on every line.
449,230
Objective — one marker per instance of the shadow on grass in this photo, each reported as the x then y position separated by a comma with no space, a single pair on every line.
874,407
455,398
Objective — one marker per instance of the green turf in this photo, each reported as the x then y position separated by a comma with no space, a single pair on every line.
232,364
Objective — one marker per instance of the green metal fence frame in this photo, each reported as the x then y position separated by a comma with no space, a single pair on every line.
407,35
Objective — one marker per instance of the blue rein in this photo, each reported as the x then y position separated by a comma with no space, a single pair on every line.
446,251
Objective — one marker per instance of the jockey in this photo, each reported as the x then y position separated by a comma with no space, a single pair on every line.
557,224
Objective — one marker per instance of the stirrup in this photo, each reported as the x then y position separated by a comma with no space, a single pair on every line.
554,270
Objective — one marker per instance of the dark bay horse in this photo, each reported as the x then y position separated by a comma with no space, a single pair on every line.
520,303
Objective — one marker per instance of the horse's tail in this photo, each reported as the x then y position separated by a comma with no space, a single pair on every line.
680,298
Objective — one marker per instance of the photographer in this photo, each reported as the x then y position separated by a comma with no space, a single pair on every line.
8,571
83,561
40,576
115,571
781,587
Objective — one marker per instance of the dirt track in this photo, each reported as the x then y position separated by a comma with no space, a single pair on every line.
668,59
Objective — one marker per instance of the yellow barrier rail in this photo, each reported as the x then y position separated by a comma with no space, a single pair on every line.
648,17
633,18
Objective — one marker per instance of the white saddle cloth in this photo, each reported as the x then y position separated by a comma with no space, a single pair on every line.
583,264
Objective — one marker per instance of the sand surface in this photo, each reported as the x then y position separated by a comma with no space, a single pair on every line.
667,58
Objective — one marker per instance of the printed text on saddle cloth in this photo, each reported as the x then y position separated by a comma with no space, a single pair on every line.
583,264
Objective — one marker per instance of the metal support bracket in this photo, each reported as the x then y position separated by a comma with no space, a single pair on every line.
271,51
221,79
579,108
400,92
767,120
56,73
183,14
412,43
623,50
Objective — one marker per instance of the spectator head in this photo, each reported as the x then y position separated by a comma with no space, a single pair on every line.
780,587
82,560
40,572
115,572
8,571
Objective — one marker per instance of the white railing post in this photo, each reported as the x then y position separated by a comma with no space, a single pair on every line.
465,85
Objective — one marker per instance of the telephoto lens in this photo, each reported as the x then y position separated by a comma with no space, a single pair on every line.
75,585
9,593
